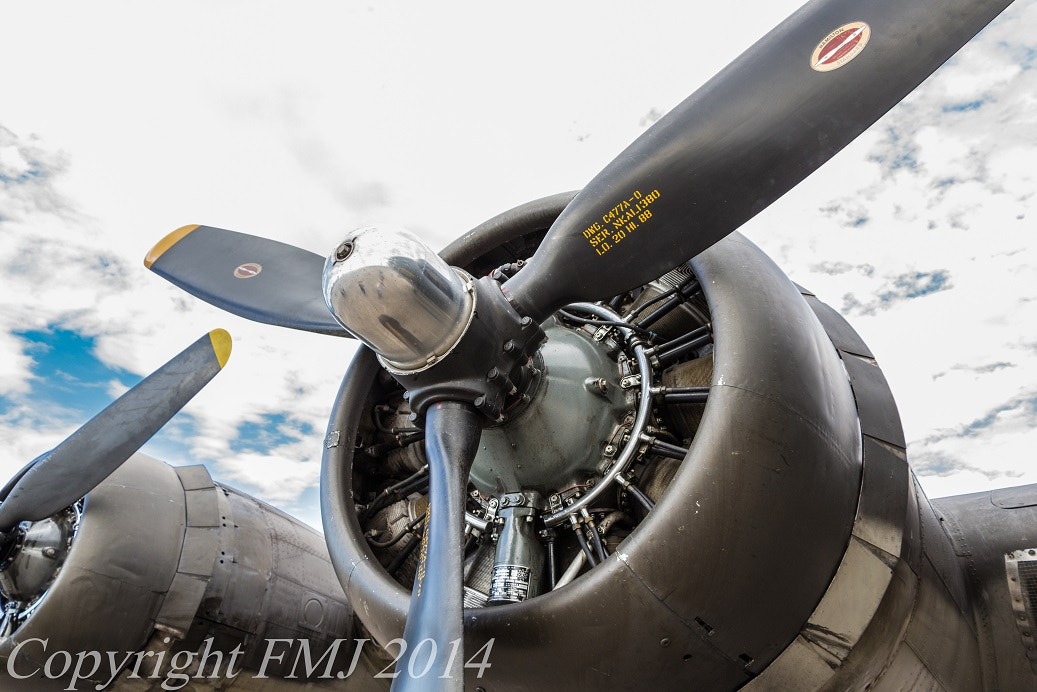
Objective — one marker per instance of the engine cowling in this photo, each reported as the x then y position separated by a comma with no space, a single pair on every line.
725,575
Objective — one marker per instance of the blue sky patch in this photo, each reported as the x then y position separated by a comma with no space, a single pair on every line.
1029,406
66,373
1022,55
34,172
272,430
70,385
917,285
898,153
963,107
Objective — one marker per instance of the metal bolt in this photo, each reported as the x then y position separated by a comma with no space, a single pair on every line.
50,552
344,250
664,642
504,501
610,449
493,504
510,346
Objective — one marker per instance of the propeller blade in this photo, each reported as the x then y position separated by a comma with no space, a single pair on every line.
452,432
255,278
73,468
759,127
13,480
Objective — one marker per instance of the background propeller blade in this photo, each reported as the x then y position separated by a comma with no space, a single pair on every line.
745,138
58,478
256,278
452,432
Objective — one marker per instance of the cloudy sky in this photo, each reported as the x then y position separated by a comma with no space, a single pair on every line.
122,121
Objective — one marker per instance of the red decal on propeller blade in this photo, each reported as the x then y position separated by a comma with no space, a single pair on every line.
248,270
840,46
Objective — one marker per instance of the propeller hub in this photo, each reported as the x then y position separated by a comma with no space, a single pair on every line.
30,568
391,291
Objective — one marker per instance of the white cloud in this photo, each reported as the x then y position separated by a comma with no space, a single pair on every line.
14,366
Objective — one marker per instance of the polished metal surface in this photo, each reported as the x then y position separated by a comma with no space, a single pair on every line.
395,294
164,560
39,557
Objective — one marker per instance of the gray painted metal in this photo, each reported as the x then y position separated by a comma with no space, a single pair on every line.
843,336
270,579
562,400
165,559
987,529
896,616
119,569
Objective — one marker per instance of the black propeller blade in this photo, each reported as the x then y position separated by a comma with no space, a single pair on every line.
754,131
255,278
61,476
437,600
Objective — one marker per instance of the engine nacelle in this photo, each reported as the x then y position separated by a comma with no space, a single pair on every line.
167,566
792,549
721,576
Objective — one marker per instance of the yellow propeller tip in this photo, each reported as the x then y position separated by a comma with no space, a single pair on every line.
166,243
221,345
